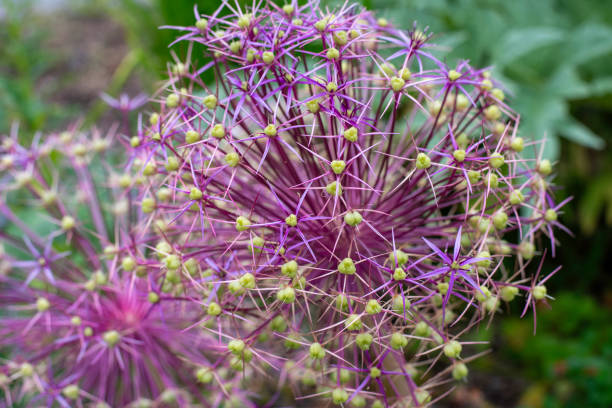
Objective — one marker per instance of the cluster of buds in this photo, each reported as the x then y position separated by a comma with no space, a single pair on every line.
332,215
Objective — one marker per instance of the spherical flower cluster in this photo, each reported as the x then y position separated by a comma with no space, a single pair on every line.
331,215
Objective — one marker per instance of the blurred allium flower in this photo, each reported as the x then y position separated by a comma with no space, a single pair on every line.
333,214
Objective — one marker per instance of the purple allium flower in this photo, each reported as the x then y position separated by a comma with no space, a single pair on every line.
331,215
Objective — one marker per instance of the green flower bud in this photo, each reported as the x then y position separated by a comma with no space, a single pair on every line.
213,309
278,324
399,274
339,396
351,134
111,338
218,131
316,351
347,267
342,302
210,101
442,288
544,167
398,341
148,205
334,188
422,329
313,106
492,112
550,215
204,375
291,220
527,250
473,176
516,197
358,401
423,161
353,218
460,371
500,219
26,370
42,304
353,322
289,269
172,164
373,307
242,223
247,281
496,160
172,262
400,304
232,159
236,346
268,57
483,294
508,293
172,100
332,54
338,166
71,391
363,341
517,144
128,263
459,155
201,24
452,349
397,84
453,75
484,263
539,292
153,297
286,295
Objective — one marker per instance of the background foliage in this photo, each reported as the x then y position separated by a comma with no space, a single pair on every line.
554,57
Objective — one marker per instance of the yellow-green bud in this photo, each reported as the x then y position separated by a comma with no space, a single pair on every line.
460,371
399,274
397,83
496,160
218,131
351,134
353,322
338,166
232,159
398,341
213,309
539,292
423,161
459,155
291,220
242,223
202,24
452,349
268,57
334,188
373,307
316,351
347,267
353,218
363,341
111,337
289,269
247,281
492,112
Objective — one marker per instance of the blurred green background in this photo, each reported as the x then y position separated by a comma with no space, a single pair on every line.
554,57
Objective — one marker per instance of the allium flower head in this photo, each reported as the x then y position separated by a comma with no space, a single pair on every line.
332,214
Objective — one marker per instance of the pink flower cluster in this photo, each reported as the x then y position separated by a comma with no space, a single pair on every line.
324,223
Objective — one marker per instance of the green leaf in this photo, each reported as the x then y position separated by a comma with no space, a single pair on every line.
519,42
587,42
578,133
